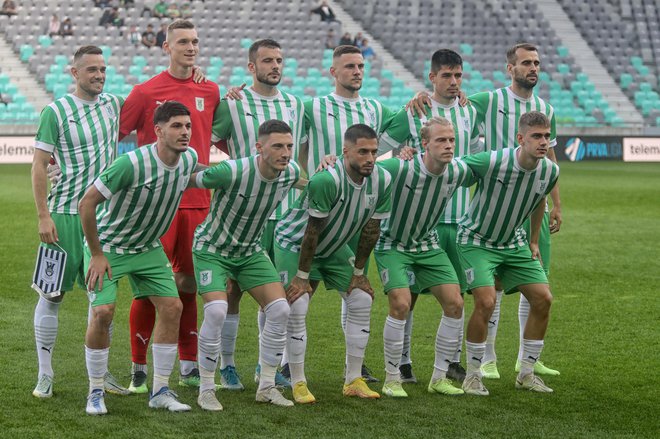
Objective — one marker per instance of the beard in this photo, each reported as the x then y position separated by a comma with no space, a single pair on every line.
523,82
264,79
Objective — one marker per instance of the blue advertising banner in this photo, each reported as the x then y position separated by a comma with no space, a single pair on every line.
579,148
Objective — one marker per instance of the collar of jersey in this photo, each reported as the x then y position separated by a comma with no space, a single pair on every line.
516,164
265,98
516,97
161,164
84,102
437,104
425,170
336,97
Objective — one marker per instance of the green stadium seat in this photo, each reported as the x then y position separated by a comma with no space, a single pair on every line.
326,63
564,69
582,77
135,70
657,121
26,52
636,61
467,67
216,61
466,49
160,69
44,40
107,52
499,76
645,87
643,70
246,43
239,70
61,60
385,73
327,53
562,51
289,72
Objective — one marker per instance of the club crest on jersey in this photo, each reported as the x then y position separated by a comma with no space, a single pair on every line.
205,277
543,185
371,200
466,123
292,113
199,104
109,110
372,116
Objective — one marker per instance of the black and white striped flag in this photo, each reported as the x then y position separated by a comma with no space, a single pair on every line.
49,272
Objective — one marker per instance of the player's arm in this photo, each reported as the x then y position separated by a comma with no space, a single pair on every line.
368,238
221,127
199,169
300,283
98,264
535,229
555,213
396,133
132,113
215,177
47,229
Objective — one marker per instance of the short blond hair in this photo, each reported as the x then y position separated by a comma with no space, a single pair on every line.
425,132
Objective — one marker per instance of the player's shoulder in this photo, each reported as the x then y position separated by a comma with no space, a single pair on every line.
382,174
192,153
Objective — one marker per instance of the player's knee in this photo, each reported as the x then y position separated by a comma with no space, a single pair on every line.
359,300
485,305
102,315
171,309
277,311
215,311
400,309
454,307
542,301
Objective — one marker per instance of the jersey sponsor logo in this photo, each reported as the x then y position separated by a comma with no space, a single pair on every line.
199,104
205,277
469,275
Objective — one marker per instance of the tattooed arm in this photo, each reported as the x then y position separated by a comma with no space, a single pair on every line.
300,285
368,239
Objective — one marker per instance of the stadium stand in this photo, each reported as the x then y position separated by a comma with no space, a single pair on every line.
623,33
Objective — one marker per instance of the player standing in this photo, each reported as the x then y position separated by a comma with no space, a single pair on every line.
512,185
237,121
312,245
140,193
175,83
446,75
229,244
80,130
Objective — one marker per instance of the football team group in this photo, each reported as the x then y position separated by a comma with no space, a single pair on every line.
302,199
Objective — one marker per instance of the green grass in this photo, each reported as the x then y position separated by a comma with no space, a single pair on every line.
603,337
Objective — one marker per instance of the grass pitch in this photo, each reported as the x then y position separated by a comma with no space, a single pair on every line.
603,337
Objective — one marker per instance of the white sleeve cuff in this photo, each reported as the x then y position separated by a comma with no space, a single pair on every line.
380,216
102,188
199,180
317,213
44,146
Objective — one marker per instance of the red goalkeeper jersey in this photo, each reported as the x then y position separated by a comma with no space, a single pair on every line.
137,113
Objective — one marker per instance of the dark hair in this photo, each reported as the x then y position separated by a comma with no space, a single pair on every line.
359,131
86,50
169,109
273,126
342,50
445,58
533,119
511,57
254,48
180,24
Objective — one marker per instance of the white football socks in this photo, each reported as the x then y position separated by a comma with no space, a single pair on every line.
523,314
493,323
97,367
446,345
296,340
272,340
209,342
475,356
164,356
393,335
406,357
229,333
358,320
531,353
45,333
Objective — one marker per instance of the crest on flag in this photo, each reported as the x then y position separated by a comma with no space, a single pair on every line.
199,104
49,272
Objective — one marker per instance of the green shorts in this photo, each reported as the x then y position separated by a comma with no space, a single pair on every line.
149,272
268,238
544,240
423,269
514,267
213,270
335,271
71,240
447,241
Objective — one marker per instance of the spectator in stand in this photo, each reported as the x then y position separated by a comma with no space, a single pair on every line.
186,11
101,3
149,37
160,10
330,42
54,26
367,51
134,36
161,36
128,3
111,17
173,11
8,8
325,11
357,41
346,40
66,28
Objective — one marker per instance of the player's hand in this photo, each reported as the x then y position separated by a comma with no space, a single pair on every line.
234,93
462,99
361,282
98,267
47,230
54,173
327,162
198,75
536,253
297,288
555,219
407,153
417,105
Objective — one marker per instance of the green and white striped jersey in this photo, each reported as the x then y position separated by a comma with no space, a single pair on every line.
327,119
142,195
405,129
82,135
419,199
238,122
498,113
348,206
505,197
242,203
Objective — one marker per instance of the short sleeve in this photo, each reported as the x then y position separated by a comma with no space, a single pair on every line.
216,177
48,132
384,205
553,128
397,132
322,193
118,176
221,128
478,163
